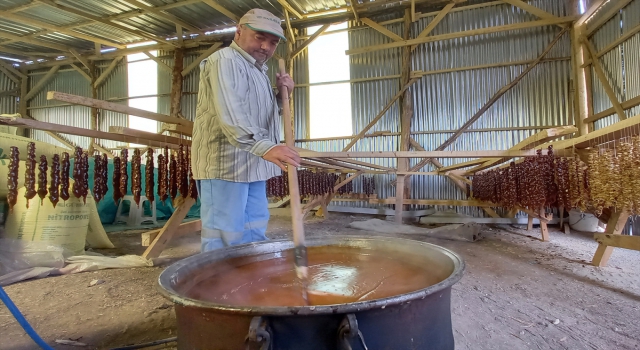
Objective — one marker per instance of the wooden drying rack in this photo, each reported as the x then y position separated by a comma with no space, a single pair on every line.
343,162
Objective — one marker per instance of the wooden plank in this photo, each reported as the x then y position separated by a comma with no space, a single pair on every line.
615,225
618,241
626,36
567,228
12,70
432,25
431,154
286,5
287,20
603,79
339,165
625,105
72,130
180,129
370,165
162,14
307,42
183,229
462,34
148,135
420,73
529,223
531,9
280,203
169,230
110,106
202,56
467,220
595,6
379,116
159,62
42,82
107,72
381,29
379,211
491,212
222,10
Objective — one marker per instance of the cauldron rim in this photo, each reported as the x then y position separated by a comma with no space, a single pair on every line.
166,290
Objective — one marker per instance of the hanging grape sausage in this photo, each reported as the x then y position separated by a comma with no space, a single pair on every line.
115,181
64,177
12,177
30,173
148,175
136,176
42,178
124,172
54,194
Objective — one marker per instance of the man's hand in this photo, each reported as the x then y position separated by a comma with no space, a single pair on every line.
281,155
286,81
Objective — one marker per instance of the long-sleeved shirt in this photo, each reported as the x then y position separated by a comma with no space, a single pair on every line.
237,119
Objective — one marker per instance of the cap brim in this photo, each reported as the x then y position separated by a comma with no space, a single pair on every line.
267,31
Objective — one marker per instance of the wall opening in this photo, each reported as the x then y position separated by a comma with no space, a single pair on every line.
142,74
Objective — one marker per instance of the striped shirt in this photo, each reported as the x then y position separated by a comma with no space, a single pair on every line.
237,119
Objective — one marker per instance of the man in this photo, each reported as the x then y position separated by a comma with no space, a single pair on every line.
236,146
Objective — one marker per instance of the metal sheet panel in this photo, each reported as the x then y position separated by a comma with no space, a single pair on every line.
630,20
8,103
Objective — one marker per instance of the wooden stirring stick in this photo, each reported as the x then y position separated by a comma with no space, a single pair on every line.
300,250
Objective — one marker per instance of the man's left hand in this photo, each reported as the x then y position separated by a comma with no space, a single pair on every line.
286,81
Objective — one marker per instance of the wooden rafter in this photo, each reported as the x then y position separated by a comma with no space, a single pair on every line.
426,31
160,63
353,9
603,79
32,41
53,28
290,8
101,79
82,72
42,83
307,42
379,116
595,6
213,4
202,56
287,21
381,29
531,9
602,19
148,135
625,105
162,14
462,34
430,154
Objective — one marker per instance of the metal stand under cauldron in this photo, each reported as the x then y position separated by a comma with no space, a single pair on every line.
416,320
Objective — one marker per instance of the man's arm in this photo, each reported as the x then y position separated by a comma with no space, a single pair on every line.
230,93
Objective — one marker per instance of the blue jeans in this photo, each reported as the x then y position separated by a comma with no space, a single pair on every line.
232,213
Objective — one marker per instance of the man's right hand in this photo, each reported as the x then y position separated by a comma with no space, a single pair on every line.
281,155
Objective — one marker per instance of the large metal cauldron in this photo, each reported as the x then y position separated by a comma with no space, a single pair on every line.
416,320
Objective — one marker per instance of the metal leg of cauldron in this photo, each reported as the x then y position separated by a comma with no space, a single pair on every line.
348,330
259,336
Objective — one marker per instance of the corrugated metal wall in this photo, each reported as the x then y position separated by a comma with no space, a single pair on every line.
72,82
8,103
621,65
446,101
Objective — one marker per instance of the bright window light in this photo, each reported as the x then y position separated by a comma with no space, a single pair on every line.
329,105
143,81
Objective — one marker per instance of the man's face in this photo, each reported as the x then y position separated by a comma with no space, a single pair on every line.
259,45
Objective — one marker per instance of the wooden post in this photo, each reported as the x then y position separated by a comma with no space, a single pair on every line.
399,198
176,82
93,73
169,230
615,225
291,41
580,81
543,226
24,89
529,223
406,106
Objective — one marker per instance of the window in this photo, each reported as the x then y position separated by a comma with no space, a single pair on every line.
330,104
142,81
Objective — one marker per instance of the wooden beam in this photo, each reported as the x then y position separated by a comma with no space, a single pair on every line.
38,42
9,75
595,6
79,57
202,56
110,106
164,15
430,154
12,70
180,129
501,92
353,9
72,130
287,20
101,149
370,165
346,181
539,138
285,5
104,21
399,200
531,9
615,225
420,73
625,105
182,230
465,220
341,165
82,72
381,29
42,82
158,62
107,72
148,135
456,35
461,165
436,202
169,230
618,241
602,19
603,79
431,26
222,10
626,36
307,42
58,29
379,116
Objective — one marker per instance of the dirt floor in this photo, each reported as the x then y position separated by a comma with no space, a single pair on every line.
517,293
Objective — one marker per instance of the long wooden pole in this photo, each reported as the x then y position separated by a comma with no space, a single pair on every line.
294,192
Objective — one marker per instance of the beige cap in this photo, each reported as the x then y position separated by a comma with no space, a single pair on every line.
263,21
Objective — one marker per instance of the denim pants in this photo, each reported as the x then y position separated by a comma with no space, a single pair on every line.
232,213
